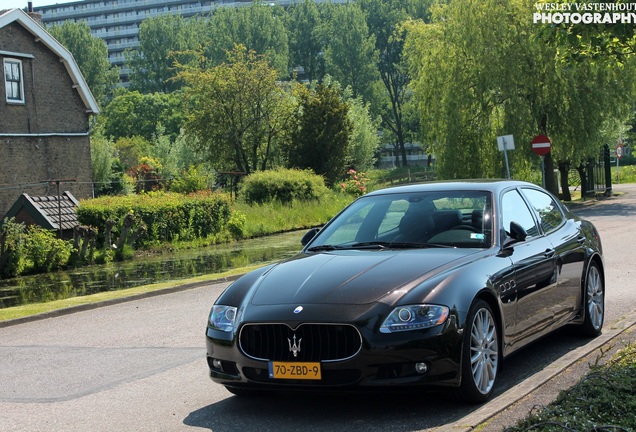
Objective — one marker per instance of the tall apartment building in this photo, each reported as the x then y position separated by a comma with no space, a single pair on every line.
117,21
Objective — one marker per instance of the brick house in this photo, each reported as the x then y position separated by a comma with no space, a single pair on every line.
46,113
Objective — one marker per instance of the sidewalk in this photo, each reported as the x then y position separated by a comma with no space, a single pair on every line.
543,387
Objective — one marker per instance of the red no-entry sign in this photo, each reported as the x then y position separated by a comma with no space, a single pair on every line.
541,145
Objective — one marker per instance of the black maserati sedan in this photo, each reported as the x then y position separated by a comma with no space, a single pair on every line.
428,285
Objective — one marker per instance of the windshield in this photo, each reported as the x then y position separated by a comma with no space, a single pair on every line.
425,219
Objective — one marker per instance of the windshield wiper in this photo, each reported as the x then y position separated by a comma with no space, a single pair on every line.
417,245
361,245
395,245
326,247
378,245
370,245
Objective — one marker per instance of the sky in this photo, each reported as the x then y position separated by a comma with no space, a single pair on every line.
21,4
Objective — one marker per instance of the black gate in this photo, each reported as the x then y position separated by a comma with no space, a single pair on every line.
599,174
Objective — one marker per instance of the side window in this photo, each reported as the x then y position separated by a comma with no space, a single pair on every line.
13,82
514,208
548,211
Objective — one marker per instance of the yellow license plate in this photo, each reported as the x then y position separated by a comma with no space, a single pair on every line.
295,370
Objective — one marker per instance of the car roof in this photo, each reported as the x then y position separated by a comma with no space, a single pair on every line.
494,185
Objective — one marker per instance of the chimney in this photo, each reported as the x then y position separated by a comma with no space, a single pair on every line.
37,17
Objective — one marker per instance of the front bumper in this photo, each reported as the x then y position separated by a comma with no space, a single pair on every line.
383,360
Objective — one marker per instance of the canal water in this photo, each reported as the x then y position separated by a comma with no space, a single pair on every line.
114,276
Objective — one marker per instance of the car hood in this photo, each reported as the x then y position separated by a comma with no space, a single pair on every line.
350,277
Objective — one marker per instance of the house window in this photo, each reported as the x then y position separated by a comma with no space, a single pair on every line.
13,82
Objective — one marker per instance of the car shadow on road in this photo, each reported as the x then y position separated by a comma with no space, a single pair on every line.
353,412
371,411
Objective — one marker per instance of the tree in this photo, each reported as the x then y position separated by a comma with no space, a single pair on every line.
350,55
236,111
585,41
131,151
482,70
304,26
259,27
451,70
132,113
103,155
181,168
321,139
163,41
608,49
364,140
384,19
91,55
107,169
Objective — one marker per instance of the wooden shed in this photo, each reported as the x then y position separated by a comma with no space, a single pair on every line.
49,212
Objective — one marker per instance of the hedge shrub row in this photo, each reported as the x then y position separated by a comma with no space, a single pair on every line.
167,216
283,185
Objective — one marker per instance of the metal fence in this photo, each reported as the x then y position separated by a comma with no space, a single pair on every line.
598,174
596,177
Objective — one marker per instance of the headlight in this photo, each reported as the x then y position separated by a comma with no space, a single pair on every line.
414,317
222,317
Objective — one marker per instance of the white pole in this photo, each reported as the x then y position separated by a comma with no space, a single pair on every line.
506,156
543,172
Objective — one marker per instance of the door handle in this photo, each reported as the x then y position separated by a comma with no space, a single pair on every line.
580,240
549,253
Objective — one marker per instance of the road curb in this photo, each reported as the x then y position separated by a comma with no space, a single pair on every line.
497,405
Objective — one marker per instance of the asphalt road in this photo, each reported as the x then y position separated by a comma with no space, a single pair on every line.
140,366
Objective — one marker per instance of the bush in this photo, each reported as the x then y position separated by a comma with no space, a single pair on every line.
356,184
166,216
12,240
282,185
30,250
190,180
45,251
624,174
236,224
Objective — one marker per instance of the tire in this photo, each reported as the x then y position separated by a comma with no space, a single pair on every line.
594,302
480,355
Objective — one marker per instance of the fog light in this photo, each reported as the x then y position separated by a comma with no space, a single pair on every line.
216,364
421,367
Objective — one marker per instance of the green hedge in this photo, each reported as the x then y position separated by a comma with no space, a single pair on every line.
283,185
167,216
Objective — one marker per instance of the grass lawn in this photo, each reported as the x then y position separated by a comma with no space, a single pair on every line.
604,400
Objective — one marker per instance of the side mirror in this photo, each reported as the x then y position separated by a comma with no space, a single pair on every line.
309,235
517,234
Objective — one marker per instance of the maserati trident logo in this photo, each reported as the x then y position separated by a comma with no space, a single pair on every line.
295,347
298,310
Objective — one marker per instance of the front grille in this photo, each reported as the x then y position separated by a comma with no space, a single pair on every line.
313,342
